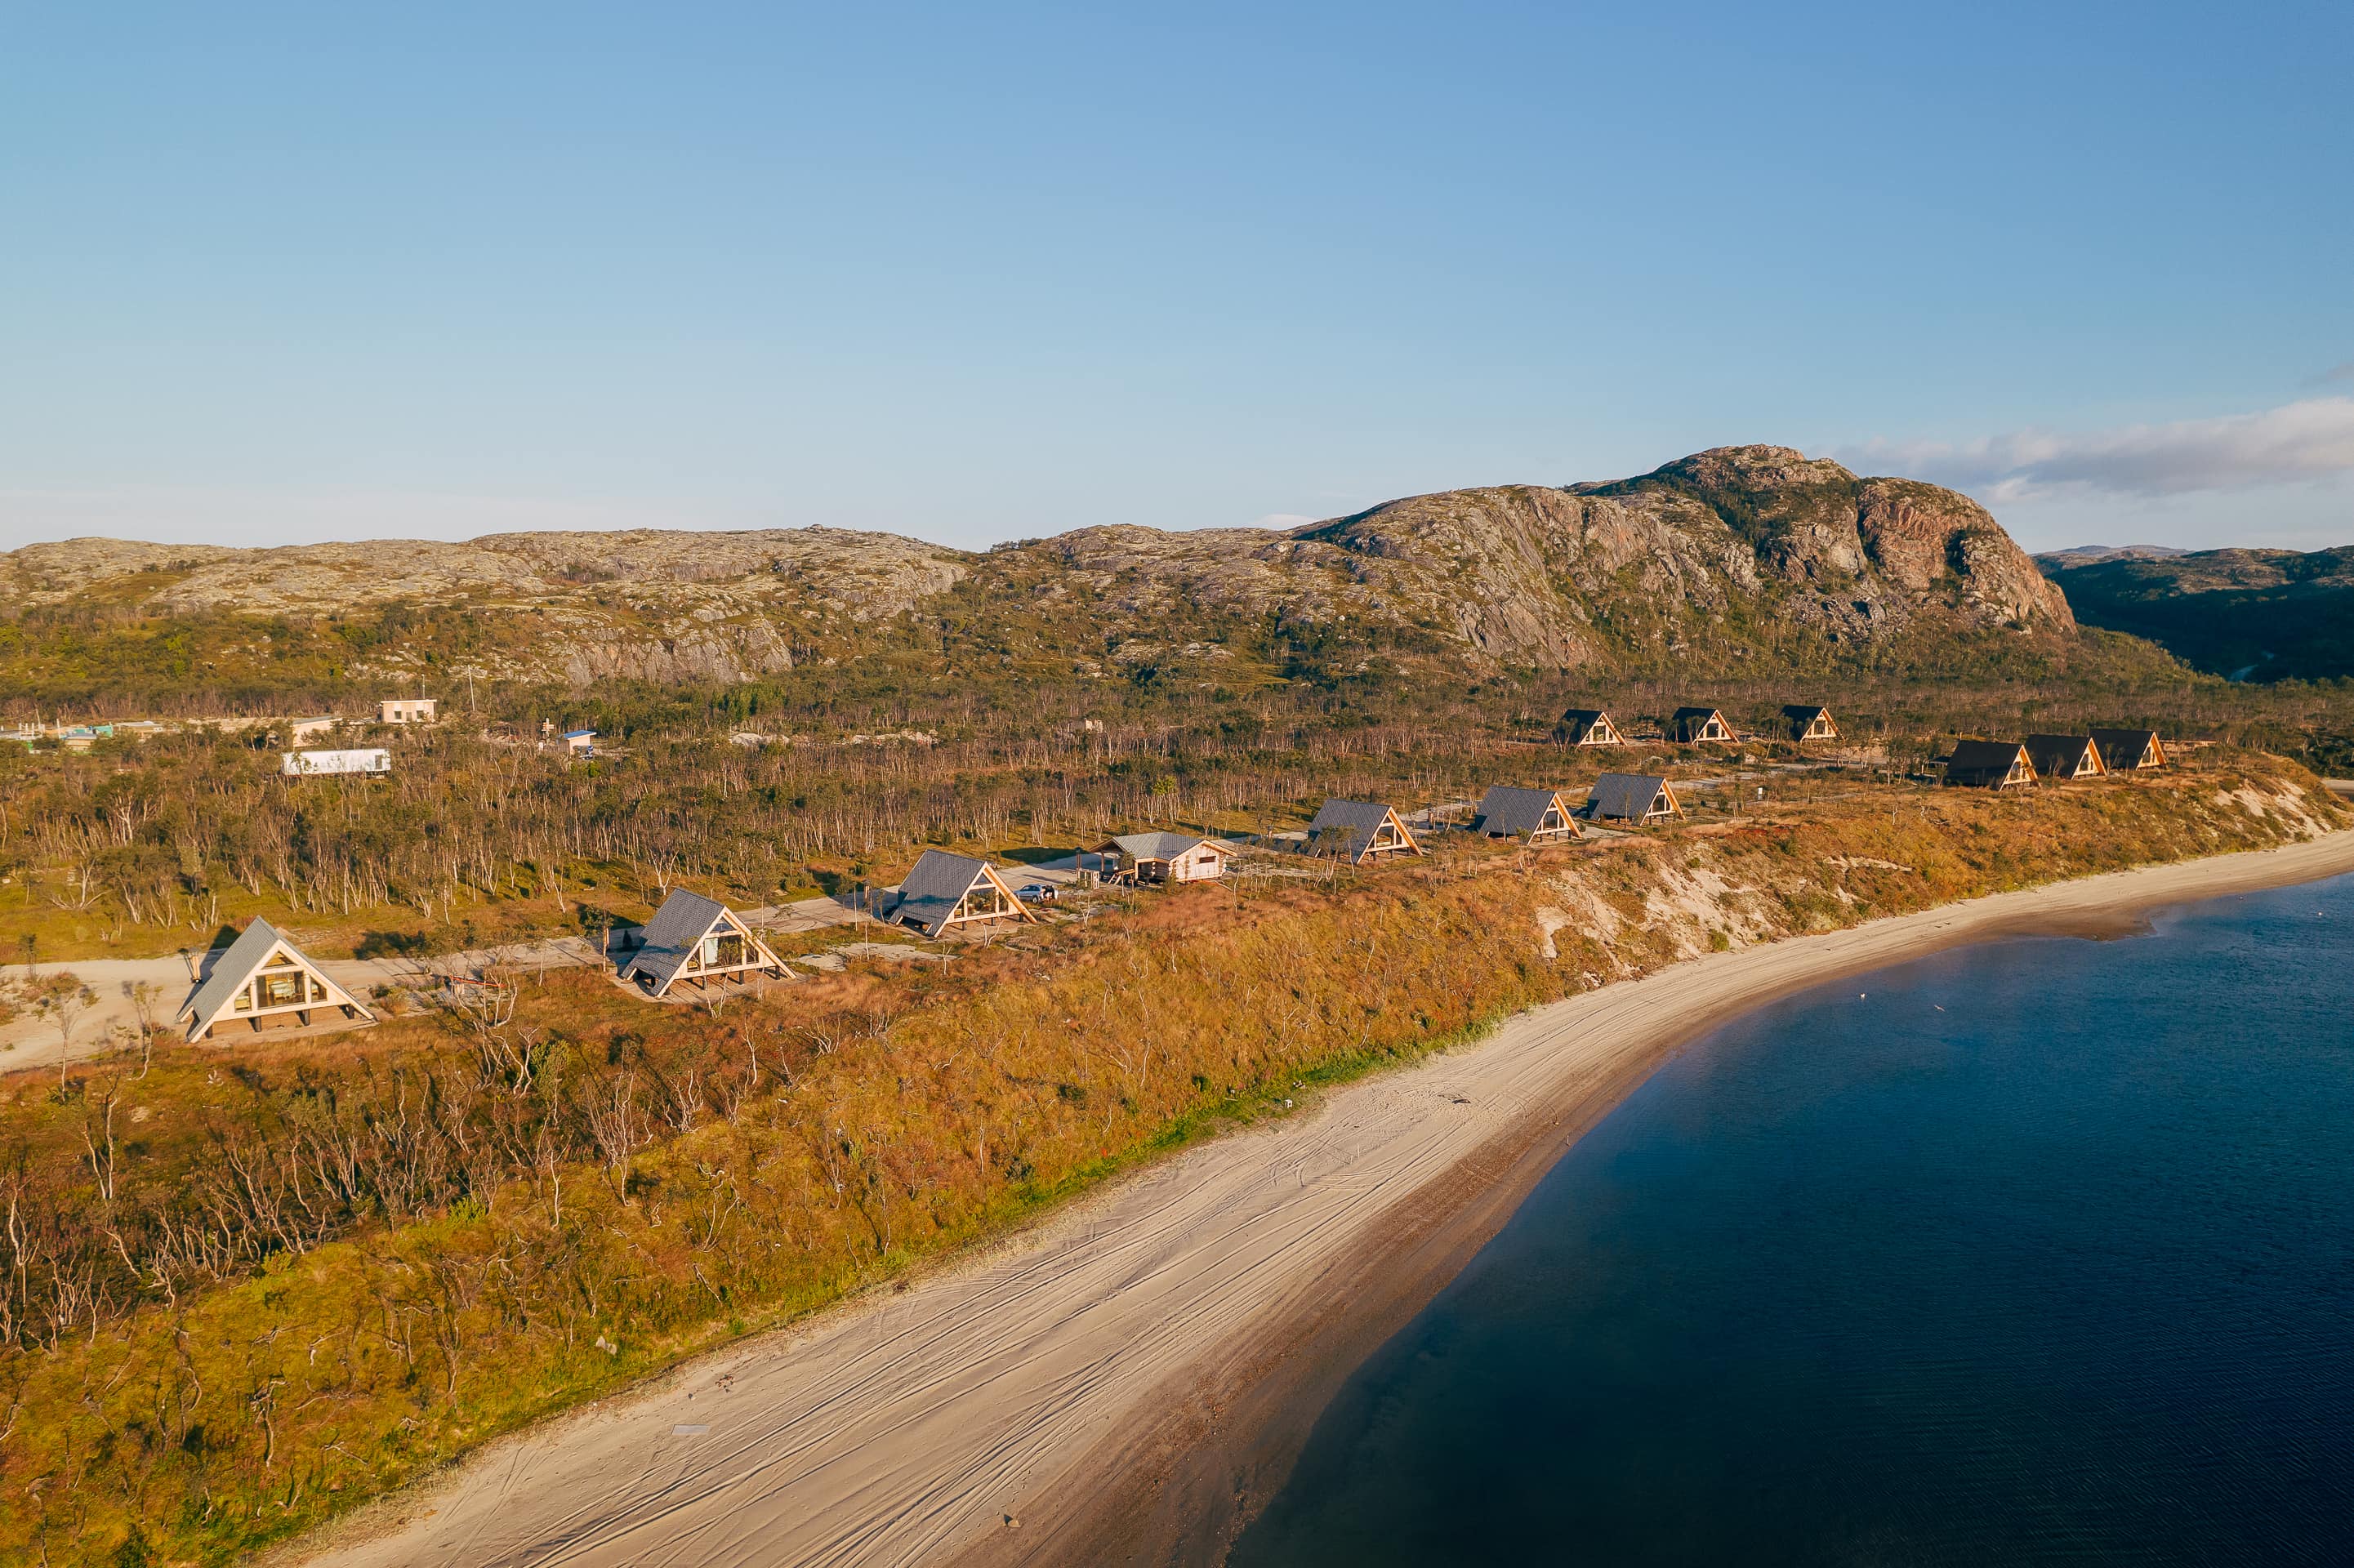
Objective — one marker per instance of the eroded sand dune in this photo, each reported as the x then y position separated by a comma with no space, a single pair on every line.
1058,1379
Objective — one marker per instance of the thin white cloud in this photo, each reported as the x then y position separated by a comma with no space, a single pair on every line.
2312,440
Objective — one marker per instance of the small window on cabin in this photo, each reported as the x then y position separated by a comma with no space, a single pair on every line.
244,999
281,991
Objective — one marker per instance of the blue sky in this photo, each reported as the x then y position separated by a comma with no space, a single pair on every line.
276,273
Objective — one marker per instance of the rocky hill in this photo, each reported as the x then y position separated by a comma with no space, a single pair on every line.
2261,615
1728,558
2089,555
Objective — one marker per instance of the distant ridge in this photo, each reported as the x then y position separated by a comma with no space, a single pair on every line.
2090,555
1735,559
2251,615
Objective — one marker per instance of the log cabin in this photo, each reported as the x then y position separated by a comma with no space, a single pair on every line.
1531,816
945,891
697,938
1989,765
264,976
1163,857
1359,830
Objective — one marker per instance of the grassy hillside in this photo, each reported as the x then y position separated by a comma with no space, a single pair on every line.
240,1298
2256,615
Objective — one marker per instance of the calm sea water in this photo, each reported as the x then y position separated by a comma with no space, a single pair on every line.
2040,1252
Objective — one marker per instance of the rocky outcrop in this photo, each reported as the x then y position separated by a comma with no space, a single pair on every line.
1728,556
864,576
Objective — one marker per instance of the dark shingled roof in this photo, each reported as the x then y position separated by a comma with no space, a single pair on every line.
1357,821
683,921
929,897
1625,796
2063,756
1689,722
1578,723
1516,813
2123,749
1981,761
236,966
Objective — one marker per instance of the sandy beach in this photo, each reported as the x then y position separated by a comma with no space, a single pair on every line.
1125,1381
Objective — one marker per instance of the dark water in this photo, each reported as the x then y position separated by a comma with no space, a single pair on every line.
2063,1273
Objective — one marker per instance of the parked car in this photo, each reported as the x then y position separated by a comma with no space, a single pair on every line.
1038,893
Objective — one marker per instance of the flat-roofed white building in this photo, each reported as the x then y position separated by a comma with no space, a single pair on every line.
408,710
361,759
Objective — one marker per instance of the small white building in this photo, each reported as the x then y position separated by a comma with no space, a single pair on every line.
581,742
361,759
408,710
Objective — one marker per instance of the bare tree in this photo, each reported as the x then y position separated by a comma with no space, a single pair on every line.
63,1003
143,995
616,1123
98,1134
84,887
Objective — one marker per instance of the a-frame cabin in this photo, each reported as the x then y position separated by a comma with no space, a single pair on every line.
1588,726
1810,722
697,938
1632,798
264,976
1531,816
1695,725
2064,756
1359,830
2124,750
945,890
1989,765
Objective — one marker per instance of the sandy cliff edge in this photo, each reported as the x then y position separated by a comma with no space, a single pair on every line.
1129,1380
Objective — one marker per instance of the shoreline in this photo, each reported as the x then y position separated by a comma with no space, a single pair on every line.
1128,1380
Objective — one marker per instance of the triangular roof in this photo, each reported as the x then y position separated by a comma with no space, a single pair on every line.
1629,797
677,929
2064,755
2129,747
937,883
1582,721
1516,812
254,947
1357,821
1688,720
1809,711
1978,760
